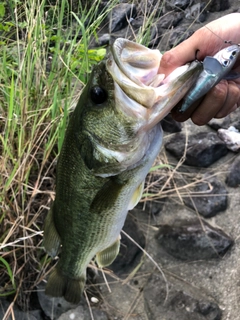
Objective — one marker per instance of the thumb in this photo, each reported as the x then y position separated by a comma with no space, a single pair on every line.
178,56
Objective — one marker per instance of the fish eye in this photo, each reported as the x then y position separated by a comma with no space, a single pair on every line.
98,95
233,54
225,63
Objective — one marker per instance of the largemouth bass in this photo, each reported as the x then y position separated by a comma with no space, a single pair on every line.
111,142
215,69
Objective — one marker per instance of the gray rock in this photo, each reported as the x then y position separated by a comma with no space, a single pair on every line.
217,5
231,137
170,20
152,207
137,23
193,240
120,16
18,314
176,4
155,36
60,309
208,197
83,313
127,33
181,302
203,149
104,40
120,303
196,12
231,120
178,35
37,314
223,123
52,307
236,124
233,177
182,4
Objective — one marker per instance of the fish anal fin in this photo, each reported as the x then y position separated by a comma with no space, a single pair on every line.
107,256
106,196
59,285
136,196
51,240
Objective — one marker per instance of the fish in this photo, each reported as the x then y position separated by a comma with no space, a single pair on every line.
215,69
112,139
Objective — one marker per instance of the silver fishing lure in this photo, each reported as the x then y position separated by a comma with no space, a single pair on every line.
215,69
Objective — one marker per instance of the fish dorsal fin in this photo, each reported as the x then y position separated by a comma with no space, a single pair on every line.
107,256
51,239
212,65
136,196
106,196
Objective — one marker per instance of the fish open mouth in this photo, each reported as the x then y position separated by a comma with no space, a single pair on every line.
135,69
137,62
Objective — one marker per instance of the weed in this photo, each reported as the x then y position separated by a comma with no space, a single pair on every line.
45,62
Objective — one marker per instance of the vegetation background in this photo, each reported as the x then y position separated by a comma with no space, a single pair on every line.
44,63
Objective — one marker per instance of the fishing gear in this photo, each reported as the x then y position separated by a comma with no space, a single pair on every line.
215,69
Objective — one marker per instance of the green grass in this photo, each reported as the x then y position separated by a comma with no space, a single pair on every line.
5,266
44,63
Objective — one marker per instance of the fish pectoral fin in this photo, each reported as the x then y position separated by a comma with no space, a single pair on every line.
107,256
51,239
212,65
59,285
106,196
86,150
136,196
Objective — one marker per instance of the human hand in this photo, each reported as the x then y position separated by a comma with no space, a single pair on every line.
225,96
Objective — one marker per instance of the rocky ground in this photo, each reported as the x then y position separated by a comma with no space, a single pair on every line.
190,268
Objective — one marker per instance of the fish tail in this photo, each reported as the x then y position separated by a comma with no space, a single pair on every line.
59,285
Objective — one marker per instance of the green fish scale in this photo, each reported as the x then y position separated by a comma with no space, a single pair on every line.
82,232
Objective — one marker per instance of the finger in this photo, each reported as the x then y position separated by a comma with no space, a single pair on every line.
234,108
206,40
187,50
178,56
203,110
211,104
183,116
231,102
